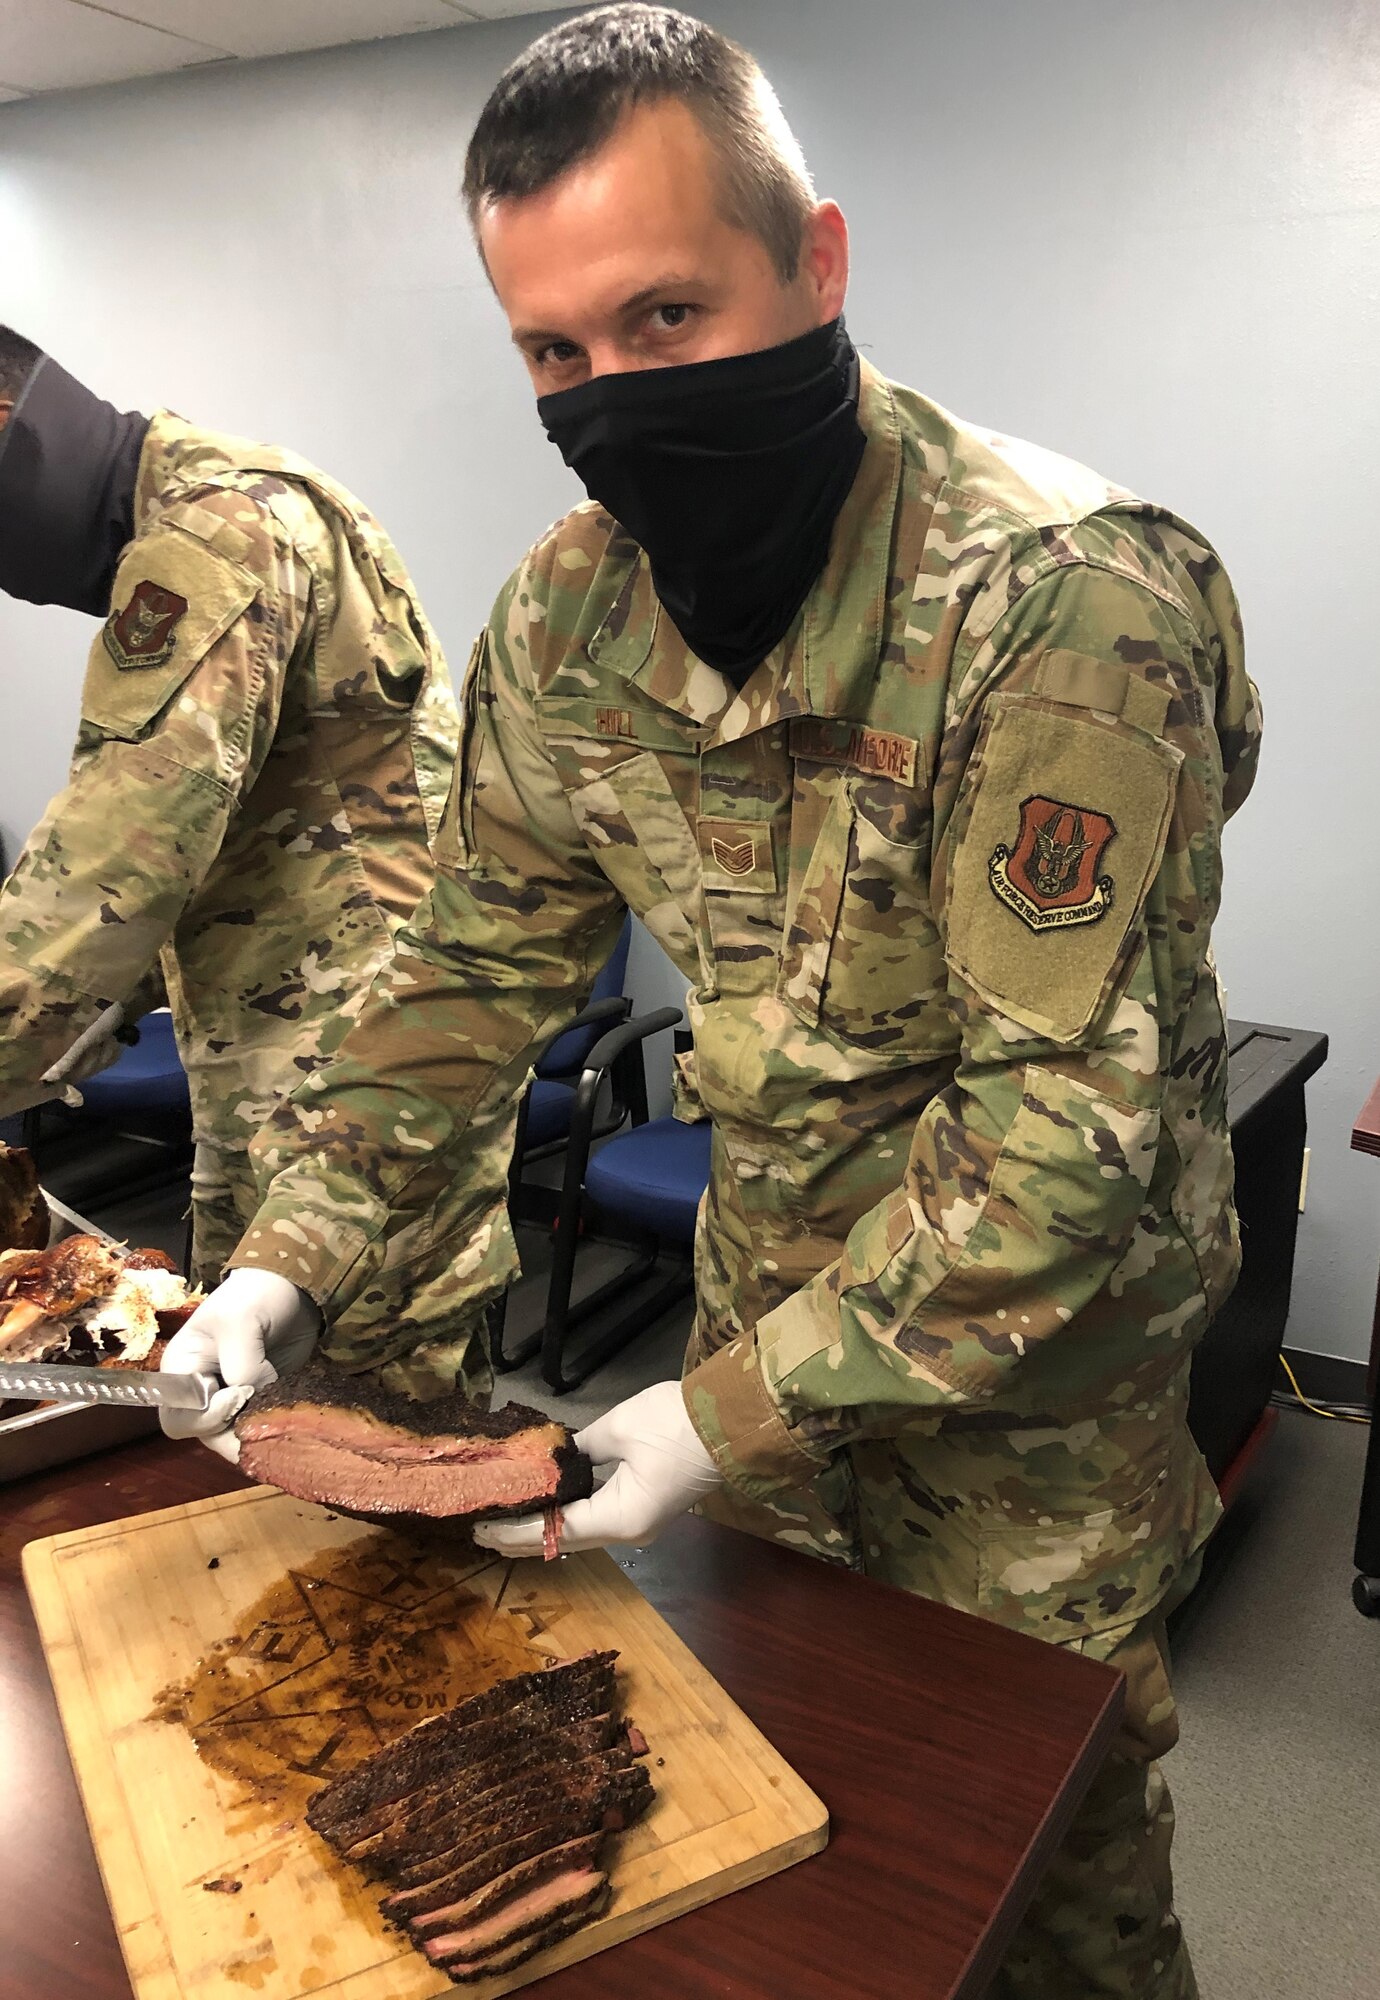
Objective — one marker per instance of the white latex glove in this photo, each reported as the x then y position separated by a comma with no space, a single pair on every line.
93,1050
254,1327
660,1470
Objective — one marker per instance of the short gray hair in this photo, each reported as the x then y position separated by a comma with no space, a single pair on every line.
560,100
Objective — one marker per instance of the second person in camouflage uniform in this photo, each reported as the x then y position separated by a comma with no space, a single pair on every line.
266,742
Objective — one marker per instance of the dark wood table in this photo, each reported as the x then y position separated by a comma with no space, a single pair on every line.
952,1756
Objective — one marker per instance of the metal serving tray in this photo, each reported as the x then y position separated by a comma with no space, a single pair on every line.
51,1434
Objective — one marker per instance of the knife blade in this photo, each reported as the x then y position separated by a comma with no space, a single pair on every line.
56,1382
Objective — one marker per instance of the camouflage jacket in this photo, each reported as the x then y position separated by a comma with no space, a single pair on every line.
942,877
267,738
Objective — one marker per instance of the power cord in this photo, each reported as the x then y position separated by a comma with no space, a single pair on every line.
1343,1413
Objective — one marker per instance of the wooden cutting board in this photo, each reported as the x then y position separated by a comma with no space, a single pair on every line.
214,1664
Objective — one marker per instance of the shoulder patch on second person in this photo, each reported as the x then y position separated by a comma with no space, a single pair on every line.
174,597
143,634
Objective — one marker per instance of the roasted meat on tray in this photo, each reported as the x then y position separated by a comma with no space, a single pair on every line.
90,1301
23,1211
489,1821
324,1435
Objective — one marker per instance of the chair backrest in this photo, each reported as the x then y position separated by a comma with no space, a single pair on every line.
147,1077
568,1054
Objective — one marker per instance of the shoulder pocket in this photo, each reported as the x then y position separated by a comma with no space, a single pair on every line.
1067,828
174,597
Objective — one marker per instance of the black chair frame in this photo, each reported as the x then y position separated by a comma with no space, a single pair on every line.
617,1054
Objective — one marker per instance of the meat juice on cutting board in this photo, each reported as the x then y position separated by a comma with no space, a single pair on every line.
339,1656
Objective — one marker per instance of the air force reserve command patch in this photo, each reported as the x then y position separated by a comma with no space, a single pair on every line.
144,633
1049,877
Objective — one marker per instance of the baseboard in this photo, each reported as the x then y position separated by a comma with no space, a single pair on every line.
1327,1378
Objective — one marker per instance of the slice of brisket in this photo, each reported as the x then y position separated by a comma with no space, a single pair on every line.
341,1440
463,1971
401,1766
566,1894
522,1875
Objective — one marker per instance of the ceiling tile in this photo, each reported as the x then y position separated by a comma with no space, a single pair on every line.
278,27
59,45
499,10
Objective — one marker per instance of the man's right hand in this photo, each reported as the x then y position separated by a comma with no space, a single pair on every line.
254,1327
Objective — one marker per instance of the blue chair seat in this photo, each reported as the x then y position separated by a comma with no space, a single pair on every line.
653,1177
148,1077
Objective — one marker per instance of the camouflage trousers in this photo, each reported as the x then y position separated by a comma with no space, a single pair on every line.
224,1203
1102,1922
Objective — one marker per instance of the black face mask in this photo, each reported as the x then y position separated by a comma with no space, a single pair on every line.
68,464
730,474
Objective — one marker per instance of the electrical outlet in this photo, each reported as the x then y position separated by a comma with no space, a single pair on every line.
1303,1179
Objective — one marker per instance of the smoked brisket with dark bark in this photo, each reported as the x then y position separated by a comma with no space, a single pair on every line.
430,1812
550,1696
550,1788
341,1440
489,1821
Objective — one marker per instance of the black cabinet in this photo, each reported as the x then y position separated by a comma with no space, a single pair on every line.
1236,1366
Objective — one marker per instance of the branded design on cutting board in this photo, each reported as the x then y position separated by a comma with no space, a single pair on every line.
340,1655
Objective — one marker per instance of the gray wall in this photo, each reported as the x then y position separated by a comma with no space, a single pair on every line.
1145,236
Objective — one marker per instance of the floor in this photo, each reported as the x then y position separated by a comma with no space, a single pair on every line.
1277,1778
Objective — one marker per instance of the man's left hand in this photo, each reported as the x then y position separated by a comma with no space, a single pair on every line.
660,1470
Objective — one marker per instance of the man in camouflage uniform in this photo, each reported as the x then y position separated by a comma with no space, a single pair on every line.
940,868
267,738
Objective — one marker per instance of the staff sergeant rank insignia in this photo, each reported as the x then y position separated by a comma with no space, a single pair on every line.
1049,879
144,633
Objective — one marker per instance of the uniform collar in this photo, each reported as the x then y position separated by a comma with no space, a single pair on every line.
827,663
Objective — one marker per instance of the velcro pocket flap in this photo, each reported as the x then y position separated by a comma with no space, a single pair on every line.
1067,828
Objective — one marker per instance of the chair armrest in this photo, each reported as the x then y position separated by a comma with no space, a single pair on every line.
594,1016
609,1047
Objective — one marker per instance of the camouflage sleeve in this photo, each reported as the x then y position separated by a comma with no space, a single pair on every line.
179,706
385,1175
1078,804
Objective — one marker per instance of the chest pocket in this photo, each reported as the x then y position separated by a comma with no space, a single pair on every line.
862,956
615,765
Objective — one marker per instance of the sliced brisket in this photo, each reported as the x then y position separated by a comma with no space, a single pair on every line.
517,1736
401,1766
570,1808
489,1820
411,1845
338,1439
407,1823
